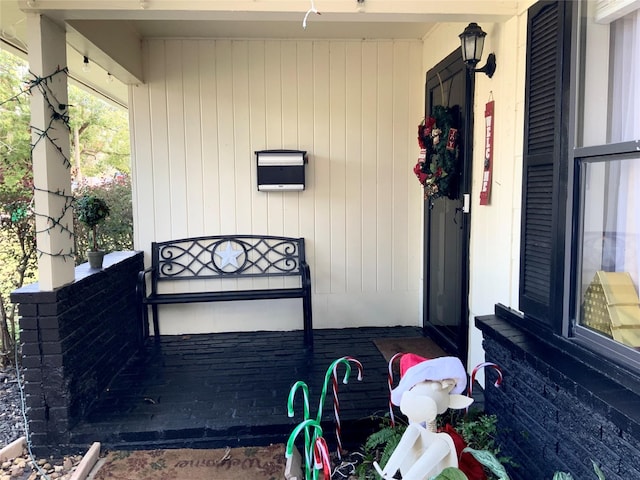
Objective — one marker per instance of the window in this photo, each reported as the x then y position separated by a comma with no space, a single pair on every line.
580,245
607,166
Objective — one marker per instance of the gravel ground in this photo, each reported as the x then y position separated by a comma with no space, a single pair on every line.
11,422
12,428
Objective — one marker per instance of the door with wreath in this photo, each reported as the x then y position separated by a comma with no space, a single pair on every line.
444,169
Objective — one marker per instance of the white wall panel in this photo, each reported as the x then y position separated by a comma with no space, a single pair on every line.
415,201
243,155
401,151
209,134
193,139
257,131
175,184
369,183
353,105
384,164
289,86
322,159
274,93
353,167
337,164
159,151
304,63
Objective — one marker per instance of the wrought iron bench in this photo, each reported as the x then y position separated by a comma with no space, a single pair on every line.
225,257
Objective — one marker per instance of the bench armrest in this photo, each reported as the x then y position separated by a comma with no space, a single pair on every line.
305,272
141,286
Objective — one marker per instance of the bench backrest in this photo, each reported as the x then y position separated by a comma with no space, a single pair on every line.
230,256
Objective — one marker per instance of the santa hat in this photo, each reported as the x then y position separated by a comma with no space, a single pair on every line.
415,369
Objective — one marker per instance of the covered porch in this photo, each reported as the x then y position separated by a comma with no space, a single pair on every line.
92,375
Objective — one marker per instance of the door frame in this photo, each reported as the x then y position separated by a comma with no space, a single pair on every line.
459,346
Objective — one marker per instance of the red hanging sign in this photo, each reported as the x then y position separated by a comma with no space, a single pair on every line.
485,192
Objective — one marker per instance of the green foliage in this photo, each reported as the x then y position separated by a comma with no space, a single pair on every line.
116,232
568,476
379,447
562,476
479,430
17,234
99,148
92,211
489,460
99,137
438,137
599,473
450,473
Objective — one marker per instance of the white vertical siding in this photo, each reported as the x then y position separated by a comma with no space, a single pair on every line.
353,105
354,164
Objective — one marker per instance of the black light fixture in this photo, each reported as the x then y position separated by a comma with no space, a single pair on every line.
472,43
85,64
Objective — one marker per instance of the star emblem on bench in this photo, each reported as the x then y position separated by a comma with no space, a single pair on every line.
229,256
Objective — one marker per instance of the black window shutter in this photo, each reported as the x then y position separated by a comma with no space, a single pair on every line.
544,187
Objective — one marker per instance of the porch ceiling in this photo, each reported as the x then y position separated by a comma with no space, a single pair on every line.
109,32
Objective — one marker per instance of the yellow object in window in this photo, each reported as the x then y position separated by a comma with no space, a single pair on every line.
611,306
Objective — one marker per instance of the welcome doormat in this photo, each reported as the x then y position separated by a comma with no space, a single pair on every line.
425,347
247,463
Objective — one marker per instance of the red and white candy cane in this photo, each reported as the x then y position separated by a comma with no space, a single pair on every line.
390,384
321,457
336,412
473,376
336,402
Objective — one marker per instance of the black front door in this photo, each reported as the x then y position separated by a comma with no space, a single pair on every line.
447,219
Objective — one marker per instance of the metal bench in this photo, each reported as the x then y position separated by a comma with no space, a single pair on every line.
225,257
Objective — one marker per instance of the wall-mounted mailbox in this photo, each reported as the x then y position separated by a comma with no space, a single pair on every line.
281,170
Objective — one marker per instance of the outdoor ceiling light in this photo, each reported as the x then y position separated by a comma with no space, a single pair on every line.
472,43
85,65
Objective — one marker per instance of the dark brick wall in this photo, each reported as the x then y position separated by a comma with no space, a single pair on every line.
557,410
74,340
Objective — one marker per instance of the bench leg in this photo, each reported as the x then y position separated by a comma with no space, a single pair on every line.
156,323
144,322
308,322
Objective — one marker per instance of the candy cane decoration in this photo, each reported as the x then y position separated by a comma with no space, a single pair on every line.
321,456
305,416
304,425
390,384
336,402
314,443
336,412
473,377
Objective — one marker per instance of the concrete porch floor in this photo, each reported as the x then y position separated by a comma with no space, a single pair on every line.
231,389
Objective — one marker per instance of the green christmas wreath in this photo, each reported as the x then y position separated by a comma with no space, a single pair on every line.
437,167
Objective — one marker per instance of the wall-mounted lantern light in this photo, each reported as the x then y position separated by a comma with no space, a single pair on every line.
472,43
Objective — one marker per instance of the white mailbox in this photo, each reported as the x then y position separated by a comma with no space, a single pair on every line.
280,170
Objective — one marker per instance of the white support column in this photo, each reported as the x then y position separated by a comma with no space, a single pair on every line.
51,170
